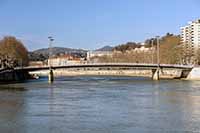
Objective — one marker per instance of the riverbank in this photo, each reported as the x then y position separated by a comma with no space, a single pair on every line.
13,76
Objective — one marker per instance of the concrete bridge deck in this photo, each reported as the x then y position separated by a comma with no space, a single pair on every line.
154,70
114,65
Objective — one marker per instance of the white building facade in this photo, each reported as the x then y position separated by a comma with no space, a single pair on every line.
64,60
190,38
91,54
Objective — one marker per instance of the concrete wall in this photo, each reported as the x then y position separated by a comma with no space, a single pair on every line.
140,73
13,76
194,74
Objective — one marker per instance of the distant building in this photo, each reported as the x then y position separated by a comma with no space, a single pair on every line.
36,63
190,39
142,49
63,60
91,54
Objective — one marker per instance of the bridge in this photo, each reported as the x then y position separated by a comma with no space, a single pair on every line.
109,65
156,70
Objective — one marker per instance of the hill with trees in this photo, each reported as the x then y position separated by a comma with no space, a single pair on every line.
43,54
127,46
105,48
170,51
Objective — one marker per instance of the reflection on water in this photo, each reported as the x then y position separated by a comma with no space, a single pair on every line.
100,104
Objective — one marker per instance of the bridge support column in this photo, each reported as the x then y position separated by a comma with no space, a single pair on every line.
51,76
155,74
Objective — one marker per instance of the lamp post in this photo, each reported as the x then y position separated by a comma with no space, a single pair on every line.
50,49
51,77
152,50
158,51
155,72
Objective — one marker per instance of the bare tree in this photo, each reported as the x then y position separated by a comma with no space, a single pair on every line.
13,51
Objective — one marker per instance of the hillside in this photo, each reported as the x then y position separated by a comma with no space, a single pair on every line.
105,48
42,54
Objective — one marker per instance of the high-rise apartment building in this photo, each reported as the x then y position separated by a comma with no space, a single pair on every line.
190,38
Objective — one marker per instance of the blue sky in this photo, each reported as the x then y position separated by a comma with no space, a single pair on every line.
91,24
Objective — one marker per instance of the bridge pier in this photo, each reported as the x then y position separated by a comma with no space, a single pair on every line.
155,74
51,76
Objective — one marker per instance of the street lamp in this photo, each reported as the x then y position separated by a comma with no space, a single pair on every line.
152,50
50,49
158,51
51,77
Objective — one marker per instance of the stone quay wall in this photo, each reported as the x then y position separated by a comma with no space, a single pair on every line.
13,76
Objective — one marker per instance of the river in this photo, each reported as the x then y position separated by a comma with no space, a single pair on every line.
100,105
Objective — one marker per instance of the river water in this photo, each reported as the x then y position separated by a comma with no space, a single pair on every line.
100,105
